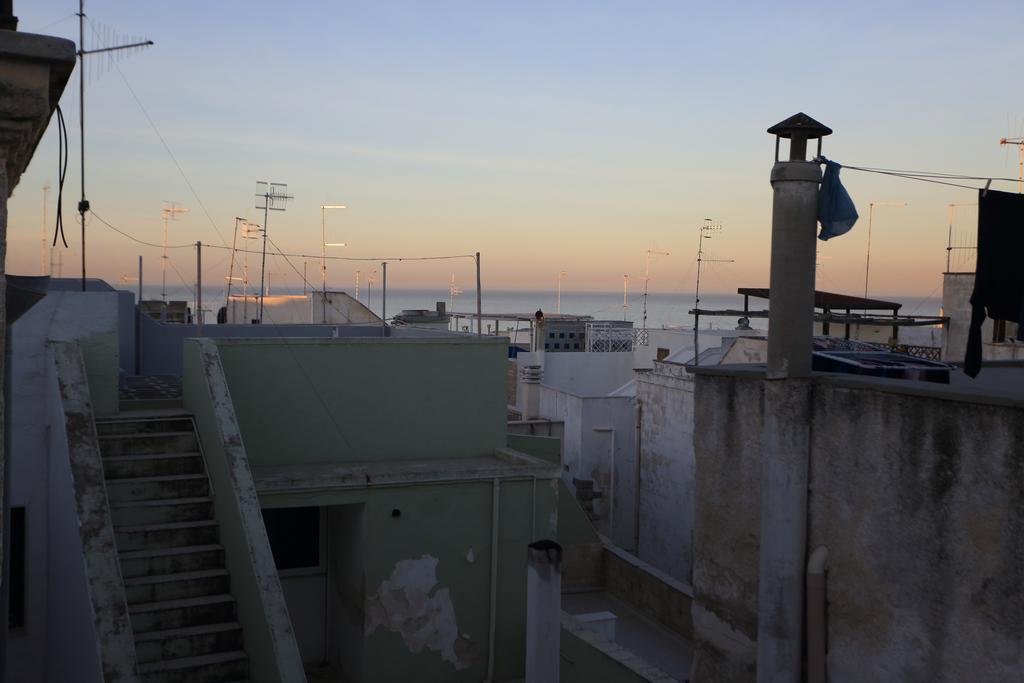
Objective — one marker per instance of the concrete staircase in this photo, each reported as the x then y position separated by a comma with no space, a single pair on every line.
177,587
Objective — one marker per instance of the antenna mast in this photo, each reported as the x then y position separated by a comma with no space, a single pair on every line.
170,210
269,197
1020,155
708,227
83,203
647,278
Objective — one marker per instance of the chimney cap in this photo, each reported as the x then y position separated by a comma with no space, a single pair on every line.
800,125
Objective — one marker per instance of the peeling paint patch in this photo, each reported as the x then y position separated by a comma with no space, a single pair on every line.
411,603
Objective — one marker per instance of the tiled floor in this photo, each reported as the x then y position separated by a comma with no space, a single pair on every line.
643,637
148,387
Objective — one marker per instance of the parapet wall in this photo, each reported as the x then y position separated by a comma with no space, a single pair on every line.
920,500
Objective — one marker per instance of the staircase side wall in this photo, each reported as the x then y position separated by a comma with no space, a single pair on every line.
113,631
269,637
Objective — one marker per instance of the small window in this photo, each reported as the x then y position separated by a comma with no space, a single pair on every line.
294,535
558,346
16,611
572,335
561,335
576,346
551,335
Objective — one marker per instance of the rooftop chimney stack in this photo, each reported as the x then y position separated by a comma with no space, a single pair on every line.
794,221
8,22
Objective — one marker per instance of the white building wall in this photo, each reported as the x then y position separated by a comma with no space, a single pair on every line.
666,469
600,432
57,643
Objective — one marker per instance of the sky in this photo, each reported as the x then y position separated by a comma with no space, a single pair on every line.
567,136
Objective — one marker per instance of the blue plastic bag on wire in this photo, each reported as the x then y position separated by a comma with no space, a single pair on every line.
836,211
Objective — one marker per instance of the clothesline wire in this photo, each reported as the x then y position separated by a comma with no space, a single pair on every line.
937,177
136,239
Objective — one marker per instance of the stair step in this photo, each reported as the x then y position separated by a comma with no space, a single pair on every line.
148,442
211,668
135,424
169,486
170,614
158,561
161,587
162,511
190,641
168,535
152,465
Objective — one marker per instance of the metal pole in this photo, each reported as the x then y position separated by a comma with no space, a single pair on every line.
83,205
696,302
479,300
867,260
384,293
263,265
138,324
323,266
231,268
199,289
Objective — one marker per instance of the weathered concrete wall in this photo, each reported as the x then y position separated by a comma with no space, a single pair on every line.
345,400
956,303
666,469
649,591
918,492
727,525
427,587
112,635
40,475
588,657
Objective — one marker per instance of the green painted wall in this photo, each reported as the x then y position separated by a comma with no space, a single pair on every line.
453,524
345,400
547,448
102,360
266,651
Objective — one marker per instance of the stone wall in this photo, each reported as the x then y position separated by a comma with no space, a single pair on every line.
917,491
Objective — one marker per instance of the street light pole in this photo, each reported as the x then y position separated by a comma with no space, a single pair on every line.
871,216
558,304
323,256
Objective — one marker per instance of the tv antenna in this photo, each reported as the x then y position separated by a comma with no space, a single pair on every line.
83,203
453,292
1020,155
707,228
647,278
168,213
269,197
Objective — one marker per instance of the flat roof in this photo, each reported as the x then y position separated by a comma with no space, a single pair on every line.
831,300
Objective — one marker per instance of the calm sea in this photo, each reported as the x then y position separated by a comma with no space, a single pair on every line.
663,310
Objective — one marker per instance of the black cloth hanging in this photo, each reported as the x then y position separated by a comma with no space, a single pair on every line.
999,274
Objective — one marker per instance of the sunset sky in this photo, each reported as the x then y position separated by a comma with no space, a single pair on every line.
548,136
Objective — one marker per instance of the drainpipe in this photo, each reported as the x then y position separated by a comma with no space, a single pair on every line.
817,624
495,512
787,404
636,478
